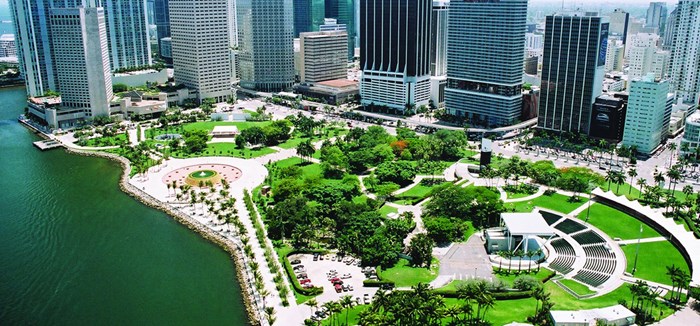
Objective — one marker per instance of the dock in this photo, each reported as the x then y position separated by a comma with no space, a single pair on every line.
48,144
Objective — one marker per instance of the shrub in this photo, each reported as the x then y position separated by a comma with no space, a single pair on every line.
525,283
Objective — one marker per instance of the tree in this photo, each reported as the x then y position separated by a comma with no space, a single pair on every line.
196,140
421,250
399,172
118,88
253,135
479,205
632,173
442,229
641,182
346,302
305,149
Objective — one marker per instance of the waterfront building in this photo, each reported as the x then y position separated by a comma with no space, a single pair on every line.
573,70
438,51
308,15
7,46
127,33
648,114
266,44
395,53
346,12
485,53
619,24
81,61
323,56
685,55
656,16
201,46
161,15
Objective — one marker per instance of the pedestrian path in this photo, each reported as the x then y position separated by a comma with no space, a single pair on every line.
539,192
644,240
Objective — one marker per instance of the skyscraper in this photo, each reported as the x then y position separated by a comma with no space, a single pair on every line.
670,31
345,12
619,24
656,16
127,37
323,56
575,46
81,59
395,52
438,51
685,56
308,15
161,15
266,44
201,46
485,47
648,114
127,33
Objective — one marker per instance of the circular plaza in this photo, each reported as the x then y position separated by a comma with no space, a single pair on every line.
203,174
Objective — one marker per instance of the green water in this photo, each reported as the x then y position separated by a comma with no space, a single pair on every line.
75,250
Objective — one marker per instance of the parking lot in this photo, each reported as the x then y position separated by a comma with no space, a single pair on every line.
317,271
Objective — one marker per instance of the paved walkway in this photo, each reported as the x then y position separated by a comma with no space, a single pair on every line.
539,192
689,315
466,261
645,240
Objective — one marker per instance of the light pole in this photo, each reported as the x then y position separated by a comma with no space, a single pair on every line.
588,209
636,254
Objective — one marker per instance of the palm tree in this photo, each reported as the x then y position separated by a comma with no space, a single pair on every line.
312,303
641,182
674,175
658,177
632,173
270,315
618,179
329,306
609,177
672,147
673,272
519,253
346,302
381,300
539,253
540,295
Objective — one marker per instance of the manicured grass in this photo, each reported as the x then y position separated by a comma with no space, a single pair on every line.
577,287
514,195
420,190
386,210
292,142
106,141
624,190
404,275
226,149
510,278
469,231
288,162
616,224
209,125
557,202
653,259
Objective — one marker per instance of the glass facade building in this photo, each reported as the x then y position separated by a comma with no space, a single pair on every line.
308,15
162,21
344,11
573,68
266,44
485,53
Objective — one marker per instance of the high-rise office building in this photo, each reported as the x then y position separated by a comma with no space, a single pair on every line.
644,56
308,15
201,46
669,32
127,33
485,53
685,56
346,12
438,51
81,59
615,55
573,69
656,16
161,15
323,56
331,24
648,114
127,37
266,44
395,52
619,24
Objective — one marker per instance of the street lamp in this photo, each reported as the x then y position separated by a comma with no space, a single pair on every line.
636,254
588,209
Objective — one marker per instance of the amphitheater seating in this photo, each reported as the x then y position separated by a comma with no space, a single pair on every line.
568,226
588,237
591,277
565,256
550,218
598,251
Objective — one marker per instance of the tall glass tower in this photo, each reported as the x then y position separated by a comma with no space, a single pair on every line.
161,16
308,15
685,55
485,52
345,12
575,46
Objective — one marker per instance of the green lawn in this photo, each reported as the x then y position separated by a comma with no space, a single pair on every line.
514,195
209,125
557,202
653,259
404,275
353,316
106,141
616,224
418,191
292,142
226,149
577,287
386,210
624,190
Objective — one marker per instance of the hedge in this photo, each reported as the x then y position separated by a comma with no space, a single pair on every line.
377,283
293,277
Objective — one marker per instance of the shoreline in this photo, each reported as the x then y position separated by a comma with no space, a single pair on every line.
234,251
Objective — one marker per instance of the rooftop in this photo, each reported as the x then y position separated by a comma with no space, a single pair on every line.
610,314
339,83
526,224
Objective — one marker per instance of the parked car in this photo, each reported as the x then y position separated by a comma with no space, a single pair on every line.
349,262
350,288
335,279
358,300
338,288
347,275
345,288
295,261
366,299
315,257
304,281
302,275
307,285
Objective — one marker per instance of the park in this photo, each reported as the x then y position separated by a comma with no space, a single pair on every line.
416,208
